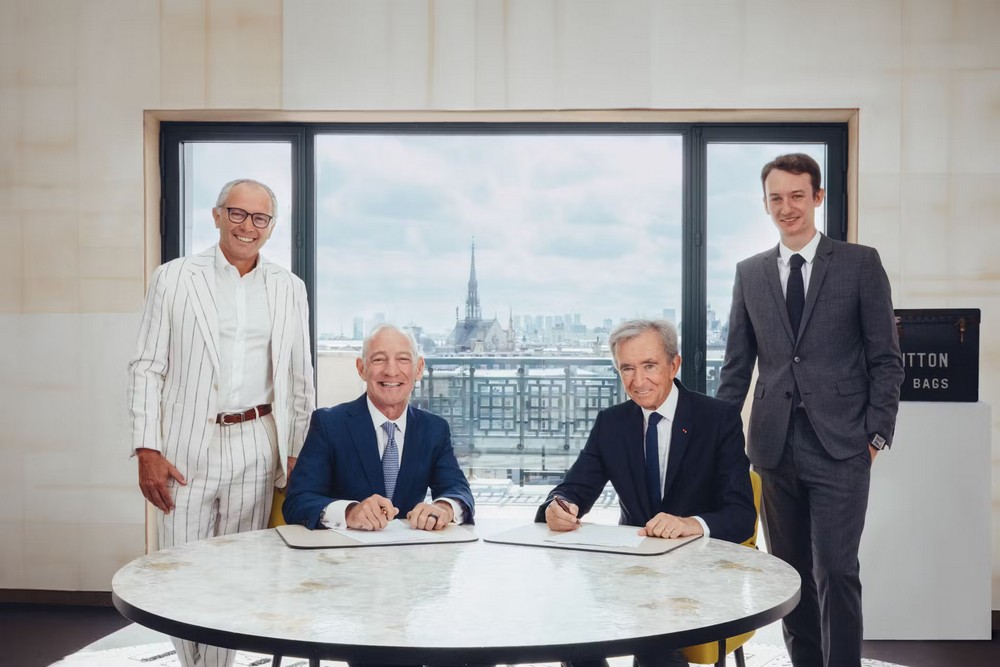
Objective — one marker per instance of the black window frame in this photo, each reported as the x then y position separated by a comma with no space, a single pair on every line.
695,137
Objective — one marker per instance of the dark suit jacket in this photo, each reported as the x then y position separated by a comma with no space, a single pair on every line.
846,356
708,473
340,461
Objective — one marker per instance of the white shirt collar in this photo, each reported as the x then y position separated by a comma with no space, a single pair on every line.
378,418
808,252
222,265
667,410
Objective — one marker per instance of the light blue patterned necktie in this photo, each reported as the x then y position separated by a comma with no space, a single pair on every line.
390,459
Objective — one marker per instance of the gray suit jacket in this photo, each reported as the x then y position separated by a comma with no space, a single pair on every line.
845,358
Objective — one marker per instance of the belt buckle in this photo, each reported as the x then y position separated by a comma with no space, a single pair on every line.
224,415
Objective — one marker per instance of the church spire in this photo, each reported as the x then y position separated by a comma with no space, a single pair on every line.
472,311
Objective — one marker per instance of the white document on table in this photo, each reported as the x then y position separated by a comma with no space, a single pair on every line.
395,531
597,535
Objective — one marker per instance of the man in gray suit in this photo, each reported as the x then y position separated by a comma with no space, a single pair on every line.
816,316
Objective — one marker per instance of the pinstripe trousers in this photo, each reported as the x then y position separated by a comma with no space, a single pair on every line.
228,490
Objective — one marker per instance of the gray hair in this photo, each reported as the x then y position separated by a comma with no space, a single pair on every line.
228,187
379,328
633,328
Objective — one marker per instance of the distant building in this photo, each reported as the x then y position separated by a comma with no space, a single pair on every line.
474,334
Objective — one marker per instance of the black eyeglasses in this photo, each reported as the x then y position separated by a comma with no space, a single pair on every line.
238,215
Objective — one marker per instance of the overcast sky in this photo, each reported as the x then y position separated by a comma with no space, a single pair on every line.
562,224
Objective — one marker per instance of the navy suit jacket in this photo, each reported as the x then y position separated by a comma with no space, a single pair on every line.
708,473
340,461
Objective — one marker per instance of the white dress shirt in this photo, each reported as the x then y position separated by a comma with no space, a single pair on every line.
335,514
808,253
663,433
244,337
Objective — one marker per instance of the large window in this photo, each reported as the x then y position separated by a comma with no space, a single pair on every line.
510,251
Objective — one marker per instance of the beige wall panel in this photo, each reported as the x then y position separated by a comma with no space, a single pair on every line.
109,548
12,573
677,41
533,52
809,43
12,260
37,199
947,35
976,120
110,262
491,54
244,54
926,122
9,44
453,54
879,218
47,34
183,44
408,52
118,226
51,245
880,144
50,550
11,487
112,295
347,55
974,210
926,230
110,107
604,54
64,484
10,139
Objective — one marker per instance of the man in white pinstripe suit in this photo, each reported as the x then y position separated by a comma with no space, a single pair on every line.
221,386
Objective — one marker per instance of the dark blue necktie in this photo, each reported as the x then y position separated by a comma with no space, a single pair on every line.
795,293
653,461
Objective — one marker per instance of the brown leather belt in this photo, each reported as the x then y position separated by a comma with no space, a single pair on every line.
230,418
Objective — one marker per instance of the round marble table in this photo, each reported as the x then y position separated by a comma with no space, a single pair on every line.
459,603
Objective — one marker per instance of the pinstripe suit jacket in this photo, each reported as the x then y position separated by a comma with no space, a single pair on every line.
173,390
845,357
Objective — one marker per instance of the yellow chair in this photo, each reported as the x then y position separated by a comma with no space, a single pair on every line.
276,518
708,654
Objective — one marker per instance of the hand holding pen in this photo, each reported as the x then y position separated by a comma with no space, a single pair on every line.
373,513
561,515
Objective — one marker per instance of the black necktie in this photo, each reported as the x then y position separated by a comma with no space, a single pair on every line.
653,461
795,292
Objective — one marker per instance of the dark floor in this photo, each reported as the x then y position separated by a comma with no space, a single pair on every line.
33,635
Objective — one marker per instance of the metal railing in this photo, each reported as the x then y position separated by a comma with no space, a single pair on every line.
500,404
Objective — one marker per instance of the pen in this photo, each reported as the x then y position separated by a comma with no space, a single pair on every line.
565,507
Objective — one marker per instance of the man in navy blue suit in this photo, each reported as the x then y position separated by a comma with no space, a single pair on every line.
366,461
675,457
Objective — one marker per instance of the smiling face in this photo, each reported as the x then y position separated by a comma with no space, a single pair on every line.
791,202
241,243
390,370
647,371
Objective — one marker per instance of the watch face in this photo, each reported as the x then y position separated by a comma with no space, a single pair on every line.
878,442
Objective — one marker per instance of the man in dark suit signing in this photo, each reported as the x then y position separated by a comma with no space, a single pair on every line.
816,316
369,460
674,457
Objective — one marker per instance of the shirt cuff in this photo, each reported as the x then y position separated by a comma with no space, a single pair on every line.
456,508
704,526
335,514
